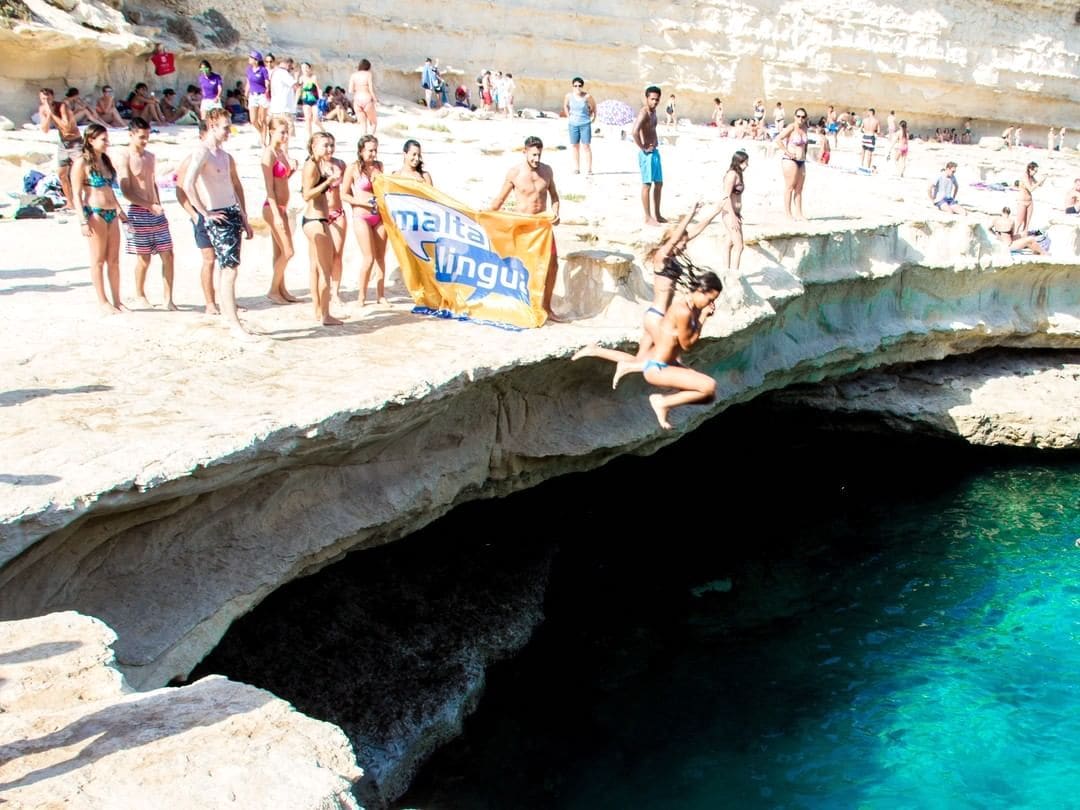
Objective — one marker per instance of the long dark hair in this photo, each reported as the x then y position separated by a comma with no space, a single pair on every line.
707,282
91,132
405,150
1031,167
737,160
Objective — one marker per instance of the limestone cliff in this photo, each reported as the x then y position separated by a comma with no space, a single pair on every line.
73,734
930,61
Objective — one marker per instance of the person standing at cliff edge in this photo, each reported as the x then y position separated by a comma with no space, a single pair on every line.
533,183
652,174
579,107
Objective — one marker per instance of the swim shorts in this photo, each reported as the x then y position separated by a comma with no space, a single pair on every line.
649,164
68,151
147,232
580,133
868,142
225,235
202,238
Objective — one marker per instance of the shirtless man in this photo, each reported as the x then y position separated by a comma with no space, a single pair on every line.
55,114
148,229
871,129
533,183
105,107
198,226
644,135
1072,198
212,186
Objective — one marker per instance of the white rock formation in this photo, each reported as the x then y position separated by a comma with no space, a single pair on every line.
1010,399
73,735
989,60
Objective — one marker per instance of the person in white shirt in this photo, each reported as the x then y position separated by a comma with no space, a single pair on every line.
283,88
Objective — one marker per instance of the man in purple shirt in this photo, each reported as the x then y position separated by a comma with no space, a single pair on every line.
211,85
258,78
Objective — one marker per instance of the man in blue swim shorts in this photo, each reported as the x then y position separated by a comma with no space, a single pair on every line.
644,135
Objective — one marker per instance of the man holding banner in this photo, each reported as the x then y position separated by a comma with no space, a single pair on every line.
533,183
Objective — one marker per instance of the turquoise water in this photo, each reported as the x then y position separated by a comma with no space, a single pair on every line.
844,622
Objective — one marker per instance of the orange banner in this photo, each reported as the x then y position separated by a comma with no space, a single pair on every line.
482,265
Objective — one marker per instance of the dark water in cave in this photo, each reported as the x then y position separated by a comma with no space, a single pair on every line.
770,613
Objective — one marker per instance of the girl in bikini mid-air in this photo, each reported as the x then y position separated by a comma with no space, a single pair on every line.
672,267
679,331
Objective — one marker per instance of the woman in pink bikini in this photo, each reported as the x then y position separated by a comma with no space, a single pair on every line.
903,143
277,168
367,222
793,140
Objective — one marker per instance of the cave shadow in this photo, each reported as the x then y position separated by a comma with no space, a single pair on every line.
20,395
132,723
38,652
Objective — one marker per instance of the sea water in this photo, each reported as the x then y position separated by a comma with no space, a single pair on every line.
773,615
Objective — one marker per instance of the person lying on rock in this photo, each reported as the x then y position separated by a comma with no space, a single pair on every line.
679,331
1004,228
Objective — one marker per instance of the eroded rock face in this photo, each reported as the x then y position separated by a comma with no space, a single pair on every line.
1003,399
73,734
982,59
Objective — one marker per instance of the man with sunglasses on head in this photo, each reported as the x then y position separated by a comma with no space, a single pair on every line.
579,107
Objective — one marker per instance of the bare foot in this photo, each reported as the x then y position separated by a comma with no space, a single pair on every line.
107,309
330,320
122,308
651,221
169,306
382,300
657,403
143,301
212,309
660,219
621,370
551,316
277,298
242,334
288,296
585,351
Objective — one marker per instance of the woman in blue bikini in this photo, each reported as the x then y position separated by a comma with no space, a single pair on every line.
679,331
92,177
793,140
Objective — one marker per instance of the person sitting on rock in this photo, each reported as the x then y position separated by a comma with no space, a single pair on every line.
143,104
105,108
1004,228
944,190
80,110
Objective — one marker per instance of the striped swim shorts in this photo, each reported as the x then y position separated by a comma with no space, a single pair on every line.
147,232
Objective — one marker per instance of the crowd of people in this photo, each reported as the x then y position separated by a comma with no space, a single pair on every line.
276,94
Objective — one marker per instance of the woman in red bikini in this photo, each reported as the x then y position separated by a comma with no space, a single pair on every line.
277,168
367,222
